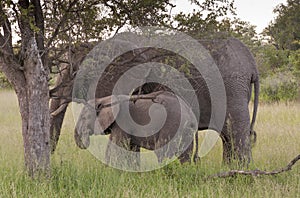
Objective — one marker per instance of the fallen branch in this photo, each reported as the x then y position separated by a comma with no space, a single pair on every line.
254,173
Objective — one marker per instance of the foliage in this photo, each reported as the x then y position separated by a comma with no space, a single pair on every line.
242,30
294,61
285,30
279,59
269,60
281,86
279,72
212,23
71,23
204,21
83,21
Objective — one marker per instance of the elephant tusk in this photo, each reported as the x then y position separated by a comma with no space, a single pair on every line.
58,110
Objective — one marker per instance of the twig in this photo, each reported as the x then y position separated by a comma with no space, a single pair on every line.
254,173
61,23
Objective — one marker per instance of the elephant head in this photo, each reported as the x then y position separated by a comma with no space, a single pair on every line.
88,124
98,115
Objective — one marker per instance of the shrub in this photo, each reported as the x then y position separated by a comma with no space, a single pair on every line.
294,60
282,86
270,59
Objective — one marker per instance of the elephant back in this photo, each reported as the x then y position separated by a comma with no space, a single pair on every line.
231,56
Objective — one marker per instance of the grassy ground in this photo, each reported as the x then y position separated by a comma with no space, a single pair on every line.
76,173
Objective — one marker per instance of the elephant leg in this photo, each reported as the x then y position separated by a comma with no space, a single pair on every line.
236,138
178,146
159,156
135,157
55,125
108,151
117,149
121,152
187,155
160,149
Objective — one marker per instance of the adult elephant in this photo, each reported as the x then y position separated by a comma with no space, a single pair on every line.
158,121
238,70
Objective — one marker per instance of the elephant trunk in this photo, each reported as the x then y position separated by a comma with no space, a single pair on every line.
84,128
56,124
82,138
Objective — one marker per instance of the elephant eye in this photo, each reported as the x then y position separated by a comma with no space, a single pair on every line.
99,107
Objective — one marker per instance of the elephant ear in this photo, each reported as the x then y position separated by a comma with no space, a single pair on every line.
108,111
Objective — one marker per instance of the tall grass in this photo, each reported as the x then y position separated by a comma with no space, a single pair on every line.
76,173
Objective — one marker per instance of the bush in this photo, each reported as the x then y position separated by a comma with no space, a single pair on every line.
282,86
294,60
270,59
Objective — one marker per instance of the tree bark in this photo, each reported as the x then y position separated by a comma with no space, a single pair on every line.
31,86
36,117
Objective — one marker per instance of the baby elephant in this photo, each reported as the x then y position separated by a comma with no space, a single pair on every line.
158,121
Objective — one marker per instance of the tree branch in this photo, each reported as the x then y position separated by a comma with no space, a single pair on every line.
6,38
67,100
254,173
12,70
131,98
60,24
39,22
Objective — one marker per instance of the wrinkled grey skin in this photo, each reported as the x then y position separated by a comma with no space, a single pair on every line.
239,72
238,69
133,138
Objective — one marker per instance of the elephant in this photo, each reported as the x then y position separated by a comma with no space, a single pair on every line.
167,134
238,71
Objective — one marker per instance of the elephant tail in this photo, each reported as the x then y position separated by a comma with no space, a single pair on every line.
255,106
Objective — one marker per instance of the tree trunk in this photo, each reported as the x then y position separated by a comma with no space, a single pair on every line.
31,87
34,107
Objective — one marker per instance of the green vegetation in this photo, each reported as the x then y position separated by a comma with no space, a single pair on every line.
285,30
279,87
278,61
76,173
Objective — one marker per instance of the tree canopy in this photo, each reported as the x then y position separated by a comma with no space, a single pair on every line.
285,29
